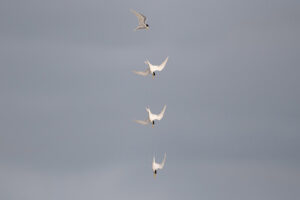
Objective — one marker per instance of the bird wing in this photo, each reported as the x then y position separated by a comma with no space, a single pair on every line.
147,62
141,18
142,73
145,122
161,114
153,163
139,27
160,166
161,66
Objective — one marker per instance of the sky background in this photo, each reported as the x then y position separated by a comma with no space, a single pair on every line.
68,99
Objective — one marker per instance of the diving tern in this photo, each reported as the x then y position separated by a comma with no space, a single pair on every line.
152,117
152,68
156,166
141,19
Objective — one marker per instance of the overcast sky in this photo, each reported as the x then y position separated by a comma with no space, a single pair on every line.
68,99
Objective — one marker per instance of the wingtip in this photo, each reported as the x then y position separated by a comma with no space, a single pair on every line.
136,121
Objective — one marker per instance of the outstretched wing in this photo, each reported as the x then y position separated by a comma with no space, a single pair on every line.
142,122
153,163
139,27
161,114
161,66
160,166
141,18
142,73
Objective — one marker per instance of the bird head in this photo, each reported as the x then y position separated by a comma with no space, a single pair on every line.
153,74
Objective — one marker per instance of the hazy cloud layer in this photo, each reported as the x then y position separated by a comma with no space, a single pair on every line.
68,99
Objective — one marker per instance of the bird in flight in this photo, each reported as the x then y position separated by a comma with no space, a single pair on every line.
156,166
152,68
152,117
141,19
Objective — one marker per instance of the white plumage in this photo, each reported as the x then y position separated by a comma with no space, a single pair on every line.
156,166
152,117
152,68
141,20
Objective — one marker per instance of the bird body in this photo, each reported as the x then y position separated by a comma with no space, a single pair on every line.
153,117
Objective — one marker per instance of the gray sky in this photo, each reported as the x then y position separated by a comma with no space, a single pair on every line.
68,97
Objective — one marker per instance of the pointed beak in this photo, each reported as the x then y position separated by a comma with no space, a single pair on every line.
152,125
152,76
154,175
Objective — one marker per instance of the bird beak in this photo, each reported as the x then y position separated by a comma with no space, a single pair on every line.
154,175
152,125
152,76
